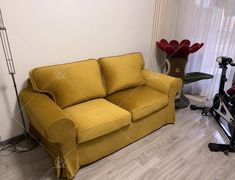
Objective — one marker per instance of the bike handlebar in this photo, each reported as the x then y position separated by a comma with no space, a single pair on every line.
223,60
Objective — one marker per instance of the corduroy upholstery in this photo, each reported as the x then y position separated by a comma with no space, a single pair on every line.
70,83
140,101
122,72
92,120
79,131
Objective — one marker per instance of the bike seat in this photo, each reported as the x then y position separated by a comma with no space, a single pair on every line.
231,91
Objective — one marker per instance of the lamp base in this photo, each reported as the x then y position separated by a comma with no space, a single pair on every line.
26,144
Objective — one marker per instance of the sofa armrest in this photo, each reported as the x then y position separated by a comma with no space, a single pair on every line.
46,117
161,82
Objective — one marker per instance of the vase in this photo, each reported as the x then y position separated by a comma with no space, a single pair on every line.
176,66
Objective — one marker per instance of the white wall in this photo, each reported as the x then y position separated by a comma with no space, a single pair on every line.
59,31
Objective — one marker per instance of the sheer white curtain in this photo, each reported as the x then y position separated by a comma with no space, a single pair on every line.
164,25
211,22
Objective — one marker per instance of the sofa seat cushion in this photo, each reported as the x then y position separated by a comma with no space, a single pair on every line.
123,71
140,101
69,83
96,118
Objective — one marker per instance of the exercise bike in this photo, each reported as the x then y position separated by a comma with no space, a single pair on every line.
223,109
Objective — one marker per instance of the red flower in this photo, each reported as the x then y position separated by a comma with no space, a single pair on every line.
176,49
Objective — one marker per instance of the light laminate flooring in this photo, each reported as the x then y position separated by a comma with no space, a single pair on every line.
174,152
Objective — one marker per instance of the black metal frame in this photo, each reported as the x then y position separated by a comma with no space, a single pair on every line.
11,67
222,95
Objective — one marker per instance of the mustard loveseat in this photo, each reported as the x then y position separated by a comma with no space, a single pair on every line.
86,110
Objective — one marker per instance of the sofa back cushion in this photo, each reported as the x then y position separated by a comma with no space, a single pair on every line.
70,83
121,72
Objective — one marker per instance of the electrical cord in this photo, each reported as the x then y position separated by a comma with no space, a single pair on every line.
7,150
14,148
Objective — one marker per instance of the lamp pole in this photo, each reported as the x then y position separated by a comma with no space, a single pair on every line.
11,67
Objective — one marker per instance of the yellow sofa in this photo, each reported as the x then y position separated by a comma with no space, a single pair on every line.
86,110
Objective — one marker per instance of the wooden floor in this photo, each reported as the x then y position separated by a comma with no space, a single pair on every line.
174,152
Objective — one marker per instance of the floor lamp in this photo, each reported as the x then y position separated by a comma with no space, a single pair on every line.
11,70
